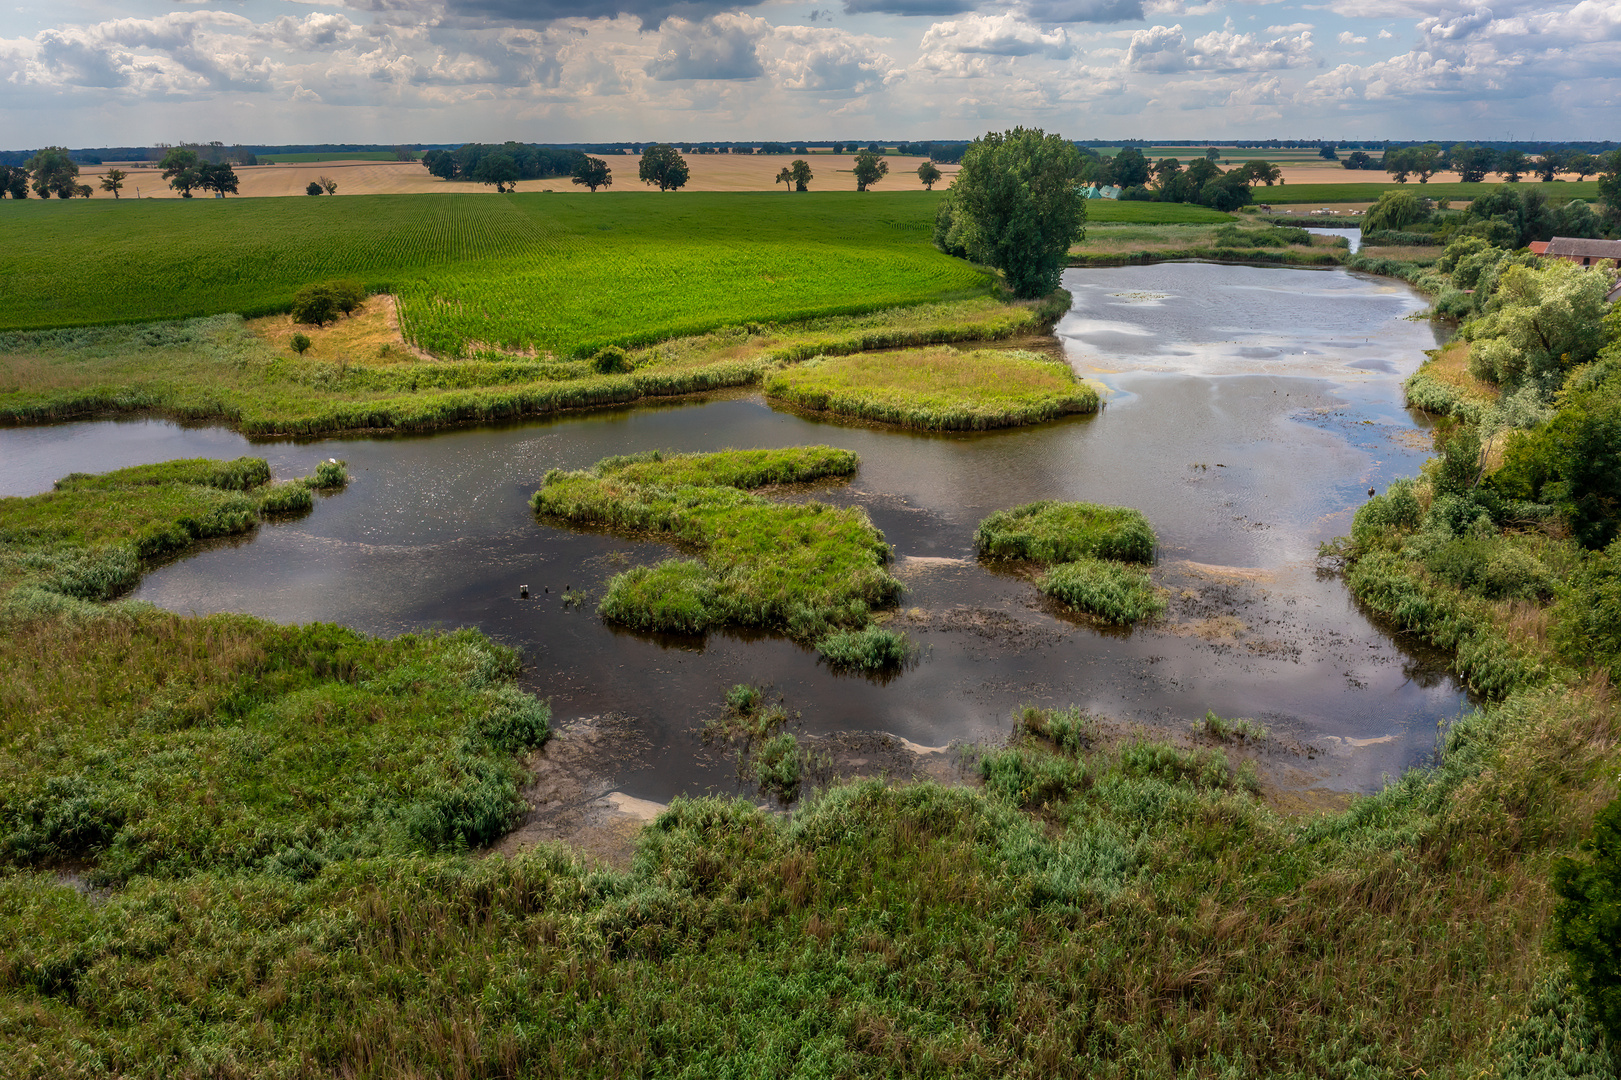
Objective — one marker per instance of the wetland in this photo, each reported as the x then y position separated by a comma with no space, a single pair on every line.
1247,412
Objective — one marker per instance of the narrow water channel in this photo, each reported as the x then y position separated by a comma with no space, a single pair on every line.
1249,410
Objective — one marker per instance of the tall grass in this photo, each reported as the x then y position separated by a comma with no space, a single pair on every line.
1056,532
937,389
1112,591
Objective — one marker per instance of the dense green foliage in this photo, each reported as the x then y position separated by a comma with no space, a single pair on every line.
805,569
1329,194
1587,923
937,389
1015,205
564,273
1057,532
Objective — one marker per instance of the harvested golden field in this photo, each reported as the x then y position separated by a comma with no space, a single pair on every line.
710,172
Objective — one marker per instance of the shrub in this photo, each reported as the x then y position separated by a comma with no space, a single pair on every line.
313,188
328,475
610,360
300,343
1587,923
315,304
777,764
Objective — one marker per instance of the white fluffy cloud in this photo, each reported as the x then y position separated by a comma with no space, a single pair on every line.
1165,49
830,61
724,47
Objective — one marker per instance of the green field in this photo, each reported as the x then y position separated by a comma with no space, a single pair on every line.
1327,194
335,155
1151,213
562,273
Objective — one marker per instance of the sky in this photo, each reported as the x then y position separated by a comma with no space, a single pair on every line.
89,73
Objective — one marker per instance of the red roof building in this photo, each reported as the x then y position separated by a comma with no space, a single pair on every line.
1580,252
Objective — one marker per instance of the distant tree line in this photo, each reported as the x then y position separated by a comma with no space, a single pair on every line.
502,165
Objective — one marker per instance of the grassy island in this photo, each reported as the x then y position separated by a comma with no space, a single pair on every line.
940,389
807,569
1084,550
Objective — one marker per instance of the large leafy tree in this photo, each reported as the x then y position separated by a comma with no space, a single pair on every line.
114,179
663,165
1471,163
801,172
1260,172
1017,206
593,173
929,173
14,181
1608,167
55,173
180,168
869,169
498,169
1543,323
217,176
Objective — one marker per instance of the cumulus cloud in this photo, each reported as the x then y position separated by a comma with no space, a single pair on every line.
1348,38
1165,49
1385,35
724,47
830,61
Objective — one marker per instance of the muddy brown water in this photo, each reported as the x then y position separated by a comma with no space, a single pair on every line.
1249,410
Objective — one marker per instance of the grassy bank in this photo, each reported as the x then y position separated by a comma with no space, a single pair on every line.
359,374
558,273
804,569
939,389
1083,551
1239,240
141,743
1443,385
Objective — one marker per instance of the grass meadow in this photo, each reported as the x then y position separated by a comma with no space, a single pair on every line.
557,273
939,389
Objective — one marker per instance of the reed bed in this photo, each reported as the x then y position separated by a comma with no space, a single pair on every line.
939,389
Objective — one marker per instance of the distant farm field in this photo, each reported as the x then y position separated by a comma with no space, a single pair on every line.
553,273
330,155
1324,194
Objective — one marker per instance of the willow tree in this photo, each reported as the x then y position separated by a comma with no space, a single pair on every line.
1016,205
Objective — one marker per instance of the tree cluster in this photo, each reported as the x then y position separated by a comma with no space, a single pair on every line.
512,161
186,172
48,172
798,175
1473,163
320,304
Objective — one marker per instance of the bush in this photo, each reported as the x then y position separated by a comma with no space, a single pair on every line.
610,361
328,475
316,304
312,188
1587,923
300,343
777,764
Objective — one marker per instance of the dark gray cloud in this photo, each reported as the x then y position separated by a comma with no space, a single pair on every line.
725,47
1084,11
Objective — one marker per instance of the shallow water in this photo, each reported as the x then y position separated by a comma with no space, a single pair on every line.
1249,410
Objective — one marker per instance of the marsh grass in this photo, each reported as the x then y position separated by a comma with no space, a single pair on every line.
137,742
1114,592
217,368
1223,729
1056,532
1443,384
940,389
803,569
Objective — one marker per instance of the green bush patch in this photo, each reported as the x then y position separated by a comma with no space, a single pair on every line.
1111,591
1055,532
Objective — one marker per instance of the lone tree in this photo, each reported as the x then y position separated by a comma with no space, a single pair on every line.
870,168
785,177
312,188
328,185
662,164
1016,206
500,170
114,180
217,177
930,174
1581,165
593,172
801,172
1260,172
55,173
179,167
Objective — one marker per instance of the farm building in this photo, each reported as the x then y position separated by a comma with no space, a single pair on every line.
1580,252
